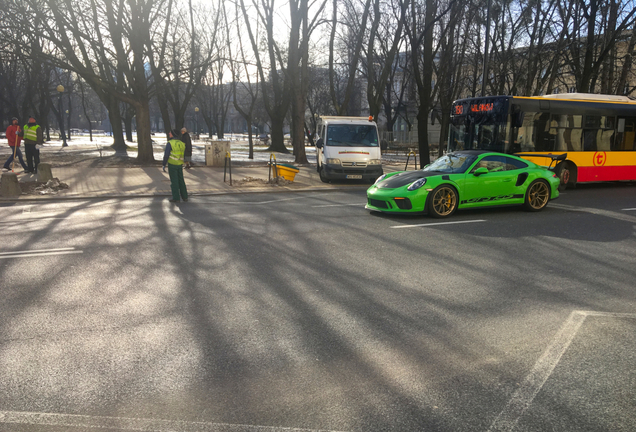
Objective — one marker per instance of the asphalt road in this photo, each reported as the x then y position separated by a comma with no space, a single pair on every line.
303,311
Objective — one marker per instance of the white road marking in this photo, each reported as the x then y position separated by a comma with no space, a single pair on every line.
20,220
629,209
39,252
438,223
339,205
543,368
256,202
134,424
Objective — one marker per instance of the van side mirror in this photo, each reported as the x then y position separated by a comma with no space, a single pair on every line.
481,170
319,143
384,145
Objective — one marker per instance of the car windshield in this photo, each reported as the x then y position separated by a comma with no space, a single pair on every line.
452,163
352,135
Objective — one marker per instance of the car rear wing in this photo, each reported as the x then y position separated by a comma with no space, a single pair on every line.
554,158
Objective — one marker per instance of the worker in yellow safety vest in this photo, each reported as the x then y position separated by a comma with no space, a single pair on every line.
33,140
174,158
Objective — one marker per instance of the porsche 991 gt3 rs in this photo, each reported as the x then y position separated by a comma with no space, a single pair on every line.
466,179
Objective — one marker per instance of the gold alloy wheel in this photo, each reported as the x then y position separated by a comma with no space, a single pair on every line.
444,201
538,195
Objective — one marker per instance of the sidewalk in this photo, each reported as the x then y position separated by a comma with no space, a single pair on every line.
91,182
95,180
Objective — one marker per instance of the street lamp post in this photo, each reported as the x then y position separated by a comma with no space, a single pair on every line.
68,116
196,110
483,79
60,91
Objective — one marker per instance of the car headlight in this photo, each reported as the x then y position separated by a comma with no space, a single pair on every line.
375,162
417,184
333,161
380,179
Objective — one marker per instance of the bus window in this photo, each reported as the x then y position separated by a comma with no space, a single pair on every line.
625,134
458,137
545,132
523,136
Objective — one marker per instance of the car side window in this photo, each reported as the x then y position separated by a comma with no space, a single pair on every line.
514,164
493,163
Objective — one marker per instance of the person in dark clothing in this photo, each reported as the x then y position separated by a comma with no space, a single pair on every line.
173,157
185,137
33,139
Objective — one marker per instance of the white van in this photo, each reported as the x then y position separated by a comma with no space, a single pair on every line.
348,148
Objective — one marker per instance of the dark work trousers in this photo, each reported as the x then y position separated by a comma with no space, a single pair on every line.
177,183
32,156
18,154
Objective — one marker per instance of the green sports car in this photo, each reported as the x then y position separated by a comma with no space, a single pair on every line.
466,179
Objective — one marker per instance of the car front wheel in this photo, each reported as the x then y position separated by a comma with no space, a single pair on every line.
537,196
442,202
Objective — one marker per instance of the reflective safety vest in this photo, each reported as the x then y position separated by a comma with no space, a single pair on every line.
31,132
177,151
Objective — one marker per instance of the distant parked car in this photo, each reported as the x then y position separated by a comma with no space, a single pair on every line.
264,138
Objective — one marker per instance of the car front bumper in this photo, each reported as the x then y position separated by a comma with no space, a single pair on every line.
338,172
397,200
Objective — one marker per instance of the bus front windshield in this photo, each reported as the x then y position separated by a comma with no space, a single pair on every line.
352,135
467,134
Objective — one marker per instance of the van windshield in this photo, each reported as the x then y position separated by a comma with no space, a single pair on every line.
351,135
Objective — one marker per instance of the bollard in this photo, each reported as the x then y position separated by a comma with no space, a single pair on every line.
228,163
44,172
10,186
409,157
272,164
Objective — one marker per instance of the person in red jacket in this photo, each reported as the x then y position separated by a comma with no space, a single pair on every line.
14,136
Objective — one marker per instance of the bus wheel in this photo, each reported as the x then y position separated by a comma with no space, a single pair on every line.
537,196
565,174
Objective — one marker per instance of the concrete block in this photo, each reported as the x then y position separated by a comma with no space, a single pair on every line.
44,172
10,186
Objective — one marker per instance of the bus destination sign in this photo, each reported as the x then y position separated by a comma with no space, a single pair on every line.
482,107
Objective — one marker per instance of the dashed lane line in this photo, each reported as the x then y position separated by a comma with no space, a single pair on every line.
507,420
134,424
39,253
338,205
438,223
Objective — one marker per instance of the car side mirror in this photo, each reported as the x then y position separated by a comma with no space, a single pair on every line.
319,143
481,170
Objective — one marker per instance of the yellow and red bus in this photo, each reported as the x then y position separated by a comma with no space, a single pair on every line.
598,132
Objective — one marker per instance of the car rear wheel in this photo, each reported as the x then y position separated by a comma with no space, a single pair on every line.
537,196
442,202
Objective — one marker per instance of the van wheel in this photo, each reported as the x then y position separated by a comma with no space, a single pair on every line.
321,172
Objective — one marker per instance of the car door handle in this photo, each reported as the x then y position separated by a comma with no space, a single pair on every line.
507,180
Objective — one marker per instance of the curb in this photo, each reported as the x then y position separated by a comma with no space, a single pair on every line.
193,194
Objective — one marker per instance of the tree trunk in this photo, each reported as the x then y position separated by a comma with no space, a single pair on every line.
119,145
144,140
278,139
